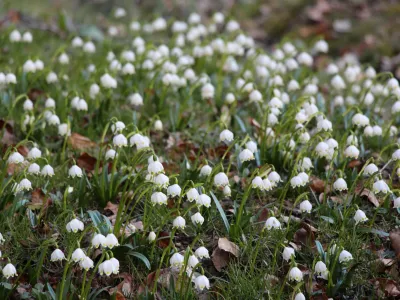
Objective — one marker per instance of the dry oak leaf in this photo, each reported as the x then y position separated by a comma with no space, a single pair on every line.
395,240
80,142
86,162
223,253
369,194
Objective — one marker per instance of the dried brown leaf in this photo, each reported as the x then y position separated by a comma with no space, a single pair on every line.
80,142
395,240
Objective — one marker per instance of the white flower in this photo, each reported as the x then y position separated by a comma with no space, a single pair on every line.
197,218
24,185
128,69
305,164
34,169
75,171
304,177
117,127
120,140
322,149
140,141
107,267
380,186
321,269
77,42
136,99
177,260
321,46
338,83
288,252
345,256
205,170
94,90
221,180
226,136
203,200
115,264
370,169
15,36
201,282
89,47
63,129
78,255
86,263
57,255
11,78
202,252
255,96
110,241
305,59
396,155
63,59
34,153
27,37
396,203
174,190
192,195
296,181
257,183
360,216
267,184
51,77
207,91
360,120
230,98
108,82
9,271
324,125
351,152
74,226
98,240
193,261
158,125
28,105
161,180
155,168
299,296
305,206
272,223
50,103
252,146
152,236
246,155
227,191
29,66
179,222
295,274
159,198
340,185
48,171
39,65
15,158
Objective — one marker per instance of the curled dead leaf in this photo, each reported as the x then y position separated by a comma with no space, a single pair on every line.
317,185
80,142
86,162
363,192
223,253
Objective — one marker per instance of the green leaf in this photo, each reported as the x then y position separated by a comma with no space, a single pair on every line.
100,221
221,211
51,291
143,258
320,249
328,219
241,123
381,233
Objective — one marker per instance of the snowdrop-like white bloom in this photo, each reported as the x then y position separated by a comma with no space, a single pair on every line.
110,241
322,149
11,78
360,120
15,36
177,260
139,141
86,263
197,218
77,42
299,296
321,46
201,282
2,240
192,195
272,223
246,155
50,103
24,185
57,255
75,171
338,83
174,190
98,240
155,168
351,152
119,12
345,256
380,186
321,269
53,120
161,180
221,180
252,146
15,158
396,155
27,37
274,178
34,153
360,216
227,191
128,69
117,127
63,129
203,200
193,261
108,267
207,91
370,169
295,274
305,164
158,125
393,83
230,98
9,271
304,177
34,169
48,171
89,47
159,198
202,252
74,226
296,181
226,136
152,236
305,206
257,183
120,140
78,255
288,252
136,99
94,90
255,96
179,222
51,77
63,59
340,185
205,170
108,82
305,59
28,105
